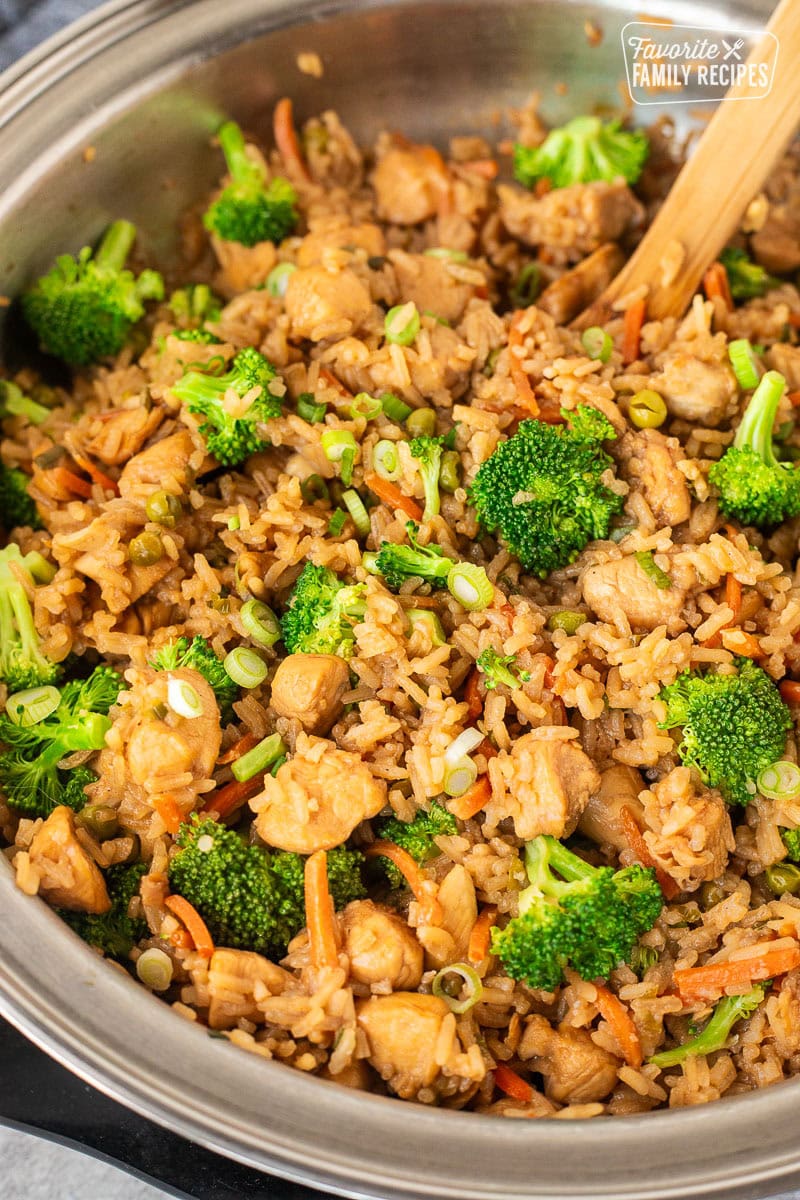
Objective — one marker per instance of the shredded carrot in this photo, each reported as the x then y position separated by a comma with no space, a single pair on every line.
543,186
738,641
519,376
478,946
195,925
716,285
85,463
238,749
548,679
613,1011
632,331
794,320
638,846
70,482
472,695
487,168
470,803
430,908
790,690
181,940
333,382
704,983
286,138
733,596
391,495
319,912
794,399
487,749
232,796
169,811
512,1084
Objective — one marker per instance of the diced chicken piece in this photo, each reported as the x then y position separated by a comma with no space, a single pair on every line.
622,586
687,829
233,977
786,359
242,267
122,434
776,245
317,798
308,688
649,462
428,282
448,940
167,466
336,233
324,304
69,878
543,785
409,184
578,219
575,1070
579,287
380,946
697,391
602,818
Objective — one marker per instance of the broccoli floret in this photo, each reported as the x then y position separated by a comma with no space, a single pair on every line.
754,486
250,210
427,453
14,403
196,303
252,898
321,613
733,726
417,837
83,309
22,664
542,490
199,337
746,278
583,150
30,775
496,669
199,656
113,932
16,506
589,919
232,439
398,563
718,1029
791,840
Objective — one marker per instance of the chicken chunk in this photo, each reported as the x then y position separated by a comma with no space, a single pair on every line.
700,392
447,941
167,466
649,462
242,267
576,219
69,878
786,359
601,820
687,829
428,282
575,1070
324,304
308,688
317,798
380,946
622,587
337,233
543,785
409,184
577,288
122,434
233,978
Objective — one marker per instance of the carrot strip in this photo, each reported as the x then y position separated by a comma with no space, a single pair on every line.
790,690
704,983
512,1084
487,168
238,749
286,138
195,925
232,796
794,399
487,749
638,845
470,803
632,331
519,376
392,496
70,482
181,940
472,695
333,382
613,1011
738,641
716,285
431,909
794,320
319,912
168,810
106,482
733,596
478,946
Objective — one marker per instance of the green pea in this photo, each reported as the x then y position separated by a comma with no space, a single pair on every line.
145,549
783,877
567,620
711,894
100,819
164,508
647,409
421,423
450,471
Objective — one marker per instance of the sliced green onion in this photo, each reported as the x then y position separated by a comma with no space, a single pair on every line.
422,618
366,406
369,561
259,759
459,256
567,620
421,423
278,279
260,622
464,744
459,777
527,286
33,705
336,442
346,464
781,781
394,407
620,532
336,523
386,460
647,409
470,585
277,765
652,570
355,506
597,344
314,488
470,978
154,968
744,363
309,409
401,324
183,699
245,667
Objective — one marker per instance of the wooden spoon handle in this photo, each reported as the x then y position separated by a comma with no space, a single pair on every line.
743,141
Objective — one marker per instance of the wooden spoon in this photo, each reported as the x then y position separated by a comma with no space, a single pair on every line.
743,142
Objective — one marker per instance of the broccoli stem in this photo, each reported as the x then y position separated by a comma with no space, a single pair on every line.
716,1033
116,245
15,401
241,168
755,428
546,854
